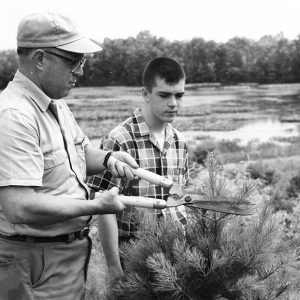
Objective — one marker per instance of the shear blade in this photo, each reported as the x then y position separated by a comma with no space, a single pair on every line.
210,203
219,208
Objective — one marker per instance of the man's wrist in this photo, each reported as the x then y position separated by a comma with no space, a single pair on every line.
106,158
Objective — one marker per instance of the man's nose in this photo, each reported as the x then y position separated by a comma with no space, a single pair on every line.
172,101
79,71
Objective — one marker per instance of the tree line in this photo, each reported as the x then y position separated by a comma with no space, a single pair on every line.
271,59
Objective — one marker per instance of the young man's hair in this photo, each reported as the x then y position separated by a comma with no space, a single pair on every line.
162,67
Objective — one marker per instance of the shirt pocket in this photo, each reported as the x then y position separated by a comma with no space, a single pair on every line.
79,143
56,169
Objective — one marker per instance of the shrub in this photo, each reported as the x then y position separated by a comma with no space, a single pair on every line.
293,189
262,171
215,257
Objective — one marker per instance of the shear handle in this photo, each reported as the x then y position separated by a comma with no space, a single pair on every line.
147,175
142,201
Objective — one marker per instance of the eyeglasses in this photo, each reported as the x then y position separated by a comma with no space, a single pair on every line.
76,64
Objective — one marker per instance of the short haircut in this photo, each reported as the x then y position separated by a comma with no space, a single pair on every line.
162,67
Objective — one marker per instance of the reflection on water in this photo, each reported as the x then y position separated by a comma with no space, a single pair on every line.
261,131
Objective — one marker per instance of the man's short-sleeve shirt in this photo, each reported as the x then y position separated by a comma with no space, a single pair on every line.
37,151
133,136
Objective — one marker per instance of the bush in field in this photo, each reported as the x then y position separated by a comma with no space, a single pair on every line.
286,184
261,171
228,151
280,203
217,256
293,189
226,146
200,152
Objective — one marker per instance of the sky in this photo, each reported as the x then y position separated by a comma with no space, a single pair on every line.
217,20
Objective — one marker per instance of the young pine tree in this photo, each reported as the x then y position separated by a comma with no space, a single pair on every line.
217,256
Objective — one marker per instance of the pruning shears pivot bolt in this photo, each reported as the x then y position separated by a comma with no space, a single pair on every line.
188,199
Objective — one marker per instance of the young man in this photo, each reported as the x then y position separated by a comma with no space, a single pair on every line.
45,159
155,144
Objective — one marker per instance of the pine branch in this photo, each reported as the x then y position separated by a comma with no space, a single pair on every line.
165,280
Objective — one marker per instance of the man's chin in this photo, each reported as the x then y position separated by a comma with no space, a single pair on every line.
169,120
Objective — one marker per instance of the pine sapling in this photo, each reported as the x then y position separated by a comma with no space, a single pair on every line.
216,256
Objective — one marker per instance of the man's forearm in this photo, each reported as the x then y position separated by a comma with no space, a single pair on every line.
94,160
22,205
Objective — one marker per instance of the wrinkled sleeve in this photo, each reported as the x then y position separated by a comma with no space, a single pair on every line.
21,158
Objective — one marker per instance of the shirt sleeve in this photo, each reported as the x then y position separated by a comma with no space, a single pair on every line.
105,181
21,158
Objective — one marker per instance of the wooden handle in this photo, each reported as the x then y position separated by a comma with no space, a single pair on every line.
147,175
142,202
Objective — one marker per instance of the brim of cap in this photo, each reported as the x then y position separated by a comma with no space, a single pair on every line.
82,45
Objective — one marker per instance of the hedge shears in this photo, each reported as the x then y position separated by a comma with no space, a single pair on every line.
178,197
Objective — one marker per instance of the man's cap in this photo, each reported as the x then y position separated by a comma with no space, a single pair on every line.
42,30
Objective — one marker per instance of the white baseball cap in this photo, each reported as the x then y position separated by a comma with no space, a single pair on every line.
42,30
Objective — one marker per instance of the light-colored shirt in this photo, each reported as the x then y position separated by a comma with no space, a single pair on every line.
33,152
134,136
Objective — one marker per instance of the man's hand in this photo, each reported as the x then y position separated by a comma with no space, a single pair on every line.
117,167
108,202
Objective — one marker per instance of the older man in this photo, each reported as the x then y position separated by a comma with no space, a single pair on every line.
44,161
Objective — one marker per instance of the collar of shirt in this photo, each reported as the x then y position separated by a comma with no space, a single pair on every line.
141,128
33,91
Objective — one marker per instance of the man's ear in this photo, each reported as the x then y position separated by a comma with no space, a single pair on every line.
38,59
145,94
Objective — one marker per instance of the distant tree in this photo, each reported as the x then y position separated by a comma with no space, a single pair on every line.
8,66
271,59
274,59
176,50
296,59
221,64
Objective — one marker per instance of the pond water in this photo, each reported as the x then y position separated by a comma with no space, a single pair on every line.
261,131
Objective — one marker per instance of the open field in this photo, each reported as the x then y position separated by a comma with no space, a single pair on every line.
203,108
211,117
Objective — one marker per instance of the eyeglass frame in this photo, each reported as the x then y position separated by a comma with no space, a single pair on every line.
79,63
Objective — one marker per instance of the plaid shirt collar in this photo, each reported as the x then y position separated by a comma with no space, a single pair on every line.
142,129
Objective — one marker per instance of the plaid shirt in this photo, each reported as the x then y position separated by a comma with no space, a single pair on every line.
134,137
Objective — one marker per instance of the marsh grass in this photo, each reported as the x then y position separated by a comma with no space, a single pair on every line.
203,108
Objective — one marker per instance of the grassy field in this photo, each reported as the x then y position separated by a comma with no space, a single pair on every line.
204,109
213,108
